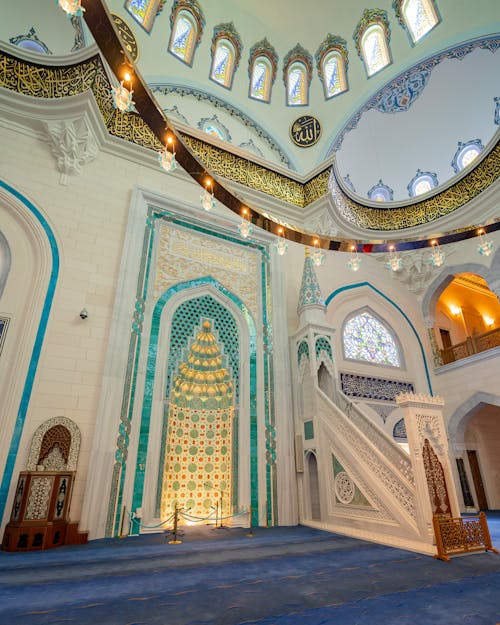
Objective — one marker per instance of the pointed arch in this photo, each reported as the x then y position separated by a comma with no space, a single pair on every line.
368,338
331,63
187,22
262,67
42,242
358,285
372,36
226,54
297,73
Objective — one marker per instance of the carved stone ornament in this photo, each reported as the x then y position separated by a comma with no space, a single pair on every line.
52,459
73,144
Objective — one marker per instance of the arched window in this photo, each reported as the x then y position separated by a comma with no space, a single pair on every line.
466,153
367,339
381,192
262,65
372,36
297,76
296,85
418,17
187,23
334,80
422,182
143,11
226,51
331,63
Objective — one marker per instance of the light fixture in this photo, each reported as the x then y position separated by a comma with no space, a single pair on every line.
485,246
167,158
281,244
245,227
207,198
437,256
122,97
354,261
395,261
72,8
488,321
455,310
318,256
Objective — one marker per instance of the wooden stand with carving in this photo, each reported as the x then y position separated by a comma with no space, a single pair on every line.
456,535
39,513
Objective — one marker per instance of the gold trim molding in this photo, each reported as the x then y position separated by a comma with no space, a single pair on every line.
58,82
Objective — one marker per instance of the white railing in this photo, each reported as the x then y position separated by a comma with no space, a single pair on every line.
391,450
394,483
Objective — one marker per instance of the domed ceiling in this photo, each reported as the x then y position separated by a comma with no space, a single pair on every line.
412,116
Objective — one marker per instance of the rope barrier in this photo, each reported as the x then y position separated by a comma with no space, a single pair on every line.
149,527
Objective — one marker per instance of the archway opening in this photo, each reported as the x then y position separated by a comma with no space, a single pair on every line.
312,468
467,318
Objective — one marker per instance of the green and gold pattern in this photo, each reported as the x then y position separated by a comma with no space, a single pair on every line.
198,452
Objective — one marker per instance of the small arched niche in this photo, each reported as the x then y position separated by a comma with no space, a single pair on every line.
55,446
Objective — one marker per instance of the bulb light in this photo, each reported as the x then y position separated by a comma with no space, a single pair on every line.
72,8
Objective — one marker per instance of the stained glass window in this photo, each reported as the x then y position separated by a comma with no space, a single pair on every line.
223,63
366,338
334,74
375,50
260,87
183,38
420,17
296,85
143,11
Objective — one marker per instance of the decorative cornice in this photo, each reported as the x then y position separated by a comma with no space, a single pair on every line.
263,48
419,399
51,81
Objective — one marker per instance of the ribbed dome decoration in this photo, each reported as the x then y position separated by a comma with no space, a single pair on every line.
203,381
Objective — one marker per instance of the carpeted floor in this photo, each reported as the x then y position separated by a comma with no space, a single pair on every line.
282,576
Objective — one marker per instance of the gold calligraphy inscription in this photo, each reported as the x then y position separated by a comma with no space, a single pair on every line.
305,131
207,256
127,36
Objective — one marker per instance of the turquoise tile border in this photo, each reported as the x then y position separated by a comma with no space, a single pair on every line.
121,454
37,347
405,316
150,375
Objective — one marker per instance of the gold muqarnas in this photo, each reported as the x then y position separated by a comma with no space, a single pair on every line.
199,437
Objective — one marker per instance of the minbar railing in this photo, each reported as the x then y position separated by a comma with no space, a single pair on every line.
455,536
472,345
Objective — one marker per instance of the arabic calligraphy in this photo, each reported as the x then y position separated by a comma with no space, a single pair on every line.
127,37
305,131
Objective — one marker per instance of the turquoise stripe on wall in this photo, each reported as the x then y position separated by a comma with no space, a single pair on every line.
37,347
388,299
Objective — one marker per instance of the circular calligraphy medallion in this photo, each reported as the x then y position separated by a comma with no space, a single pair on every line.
305,131
127,36
344,488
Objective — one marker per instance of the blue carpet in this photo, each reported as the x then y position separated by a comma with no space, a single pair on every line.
283,576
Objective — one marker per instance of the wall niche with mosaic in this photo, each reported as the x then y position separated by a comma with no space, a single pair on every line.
198,455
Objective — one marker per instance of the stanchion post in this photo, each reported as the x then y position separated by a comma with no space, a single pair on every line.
250,533
220,507
176,522
122,521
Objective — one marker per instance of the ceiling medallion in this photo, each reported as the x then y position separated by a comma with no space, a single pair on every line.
305,131
127,36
